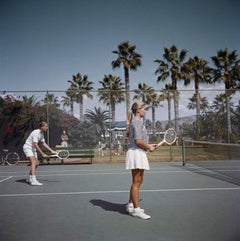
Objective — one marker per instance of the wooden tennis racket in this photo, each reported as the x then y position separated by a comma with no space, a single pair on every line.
63,154
170,136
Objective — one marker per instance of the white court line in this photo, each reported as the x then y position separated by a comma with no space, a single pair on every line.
5,179
111,192
126,172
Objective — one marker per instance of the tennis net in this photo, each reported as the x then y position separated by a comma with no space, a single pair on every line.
208,151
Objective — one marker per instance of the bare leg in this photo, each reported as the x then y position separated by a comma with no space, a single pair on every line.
137,180
34,164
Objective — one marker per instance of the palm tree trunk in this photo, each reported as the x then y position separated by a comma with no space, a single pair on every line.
229,126
169,109
176,110
153,121
127,90
81,112
113,110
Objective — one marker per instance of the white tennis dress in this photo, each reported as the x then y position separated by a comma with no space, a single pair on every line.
136,157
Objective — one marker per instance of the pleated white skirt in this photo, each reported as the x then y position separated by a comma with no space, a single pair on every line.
136,159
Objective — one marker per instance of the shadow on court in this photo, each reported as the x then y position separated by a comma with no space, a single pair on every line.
109,206
87,203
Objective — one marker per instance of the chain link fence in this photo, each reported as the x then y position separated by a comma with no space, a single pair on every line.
89,122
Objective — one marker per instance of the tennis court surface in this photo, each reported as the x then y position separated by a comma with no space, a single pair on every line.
196,202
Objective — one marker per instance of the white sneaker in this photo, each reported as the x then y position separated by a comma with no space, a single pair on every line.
36,183
130,208
29,180
140,214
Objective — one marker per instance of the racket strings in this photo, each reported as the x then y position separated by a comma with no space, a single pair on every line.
63,154
170,136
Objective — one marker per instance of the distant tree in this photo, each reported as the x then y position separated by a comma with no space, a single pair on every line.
111,92
227,70
80,88
167,94
198,71
143,93
203,103
69,99
50,99
98,119
131,60
171,65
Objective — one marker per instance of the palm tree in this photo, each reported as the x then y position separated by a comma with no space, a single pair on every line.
131,60
197,70
50,99
167,94
220,107
98,120
81,88
154,102
69,100
203,103
227,70
66,101
151,98
111,93
30,106
172,67
143,92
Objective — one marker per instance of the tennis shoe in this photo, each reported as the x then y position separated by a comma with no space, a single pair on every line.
130,208
36,183
138,213
29,180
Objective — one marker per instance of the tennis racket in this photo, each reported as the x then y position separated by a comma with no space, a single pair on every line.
63,154
170,136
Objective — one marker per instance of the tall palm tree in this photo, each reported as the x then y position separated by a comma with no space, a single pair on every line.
81,88
167,94
227,70
131,60
98,119
197,70
172,66
111,92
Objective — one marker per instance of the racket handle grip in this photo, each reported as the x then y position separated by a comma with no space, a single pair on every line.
159,144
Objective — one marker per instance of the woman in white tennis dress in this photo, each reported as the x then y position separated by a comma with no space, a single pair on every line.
136,156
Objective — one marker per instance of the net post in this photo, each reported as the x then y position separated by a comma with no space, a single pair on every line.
183,152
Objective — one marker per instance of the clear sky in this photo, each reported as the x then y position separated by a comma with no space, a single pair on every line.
43,43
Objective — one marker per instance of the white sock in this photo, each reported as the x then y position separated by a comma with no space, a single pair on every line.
34,178
136,210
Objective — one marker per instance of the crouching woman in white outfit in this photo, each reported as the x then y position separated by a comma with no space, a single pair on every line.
31,148
136,156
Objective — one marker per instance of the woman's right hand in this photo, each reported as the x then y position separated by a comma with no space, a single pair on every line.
152,147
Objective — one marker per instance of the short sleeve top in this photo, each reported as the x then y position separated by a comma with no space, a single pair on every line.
35,136
137,131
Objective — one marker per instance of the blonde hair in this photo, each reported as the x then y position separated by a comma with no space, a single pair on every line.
132,112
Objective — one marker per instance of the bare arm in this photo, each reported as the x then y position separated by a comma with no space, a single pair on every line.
48,147
39,149
145,146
